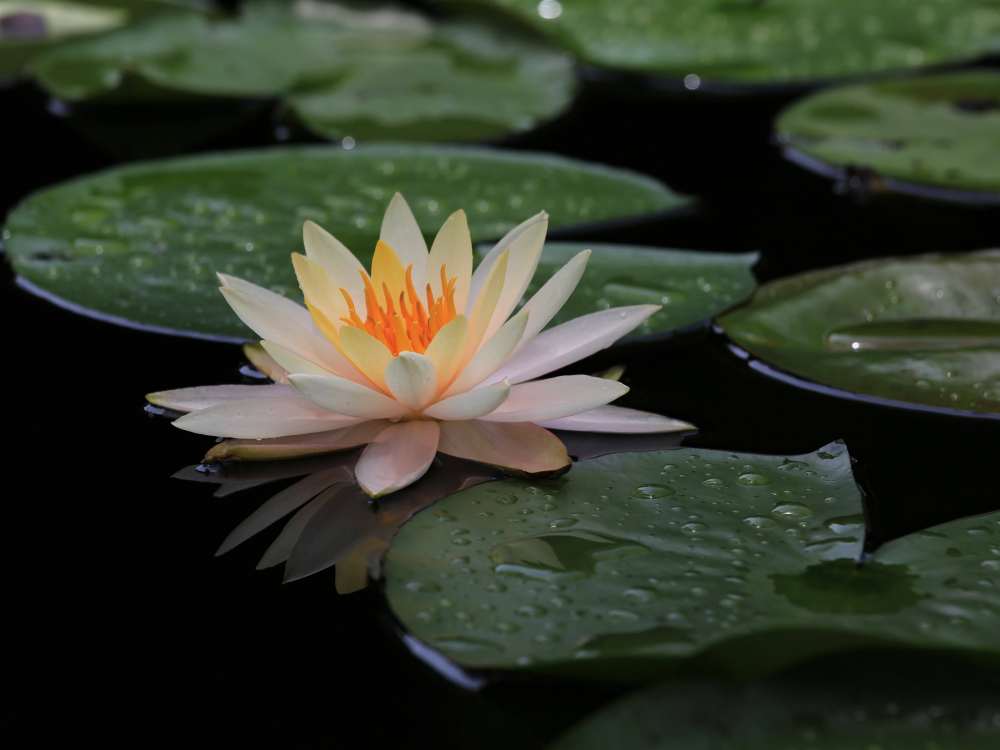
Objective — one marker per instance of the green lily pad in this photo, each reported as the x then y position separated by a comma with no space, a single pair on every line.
773,41
141,244
940,131
692,286
29,27
922,331
682,562
380,74
874,710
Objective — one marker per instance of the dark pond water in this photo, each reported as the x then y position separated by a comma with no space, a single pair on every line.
137,636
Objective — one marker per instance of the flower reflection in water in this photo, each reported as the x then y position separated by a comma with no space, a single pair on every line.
335,523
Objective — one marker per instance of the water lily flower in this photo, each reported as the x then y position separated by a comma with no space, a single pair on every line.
418,356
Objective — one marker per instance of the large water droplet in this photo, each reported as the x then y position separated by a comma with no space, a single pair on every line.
653,491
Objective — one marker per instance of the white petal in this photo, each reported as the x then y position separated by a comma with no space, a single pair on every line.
341,396
264,362
491,356
340,263
291,362
616,419
452,248
525,251
398,457
262,418
555,398
471,404
289,307
401,232
512,445
202,397
411,379
552,296
479,277
293,330
572,341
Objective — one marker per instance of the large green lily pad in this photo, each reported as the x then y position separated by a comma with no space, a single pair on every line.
142,243
941,131
692,286
682,562
923,330
384,74
771,41
888,711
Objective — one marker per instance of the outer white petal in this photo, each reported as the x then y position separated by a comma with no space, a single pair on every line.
340,263
471,404
401,232
572,341
291,362
525,251
341,396
411,379
555,398
552,296
202,397
262,418
360,432
512,445
398,457
291,308
479,277
616,419
490,356
293,330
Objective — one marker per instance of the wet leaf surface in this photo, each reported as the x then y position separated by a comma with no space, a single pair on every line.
894,706
684,562
941,131
763,41
143,243
923,330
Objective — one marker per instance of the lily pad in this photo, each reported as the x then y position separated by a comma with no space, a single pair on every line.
940,131
29,27
378,74
894,711
773,41
692,286
684,562
923,331
140,244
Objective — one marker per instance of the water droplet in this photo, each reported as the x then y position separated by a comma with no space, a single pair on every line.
794,510
652,491
694,527
759,522
714,482
752,479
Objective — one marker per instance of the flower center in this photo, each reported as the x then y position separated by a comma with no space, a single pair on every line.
411,327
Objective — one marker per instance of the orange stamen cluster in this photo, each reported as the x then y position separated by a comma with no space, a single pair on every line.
410,328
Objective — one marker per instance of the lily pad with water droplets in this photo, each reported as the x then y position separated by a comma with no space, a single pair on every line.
141,244
923,331
377,74
684,562
763,42
691,286
937,136
912,706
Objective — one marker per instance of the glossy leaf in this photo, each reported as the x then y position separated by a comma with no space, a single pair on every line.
923,330
691,286
777,40
142,243
907,708
940,131
377,74
684,562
